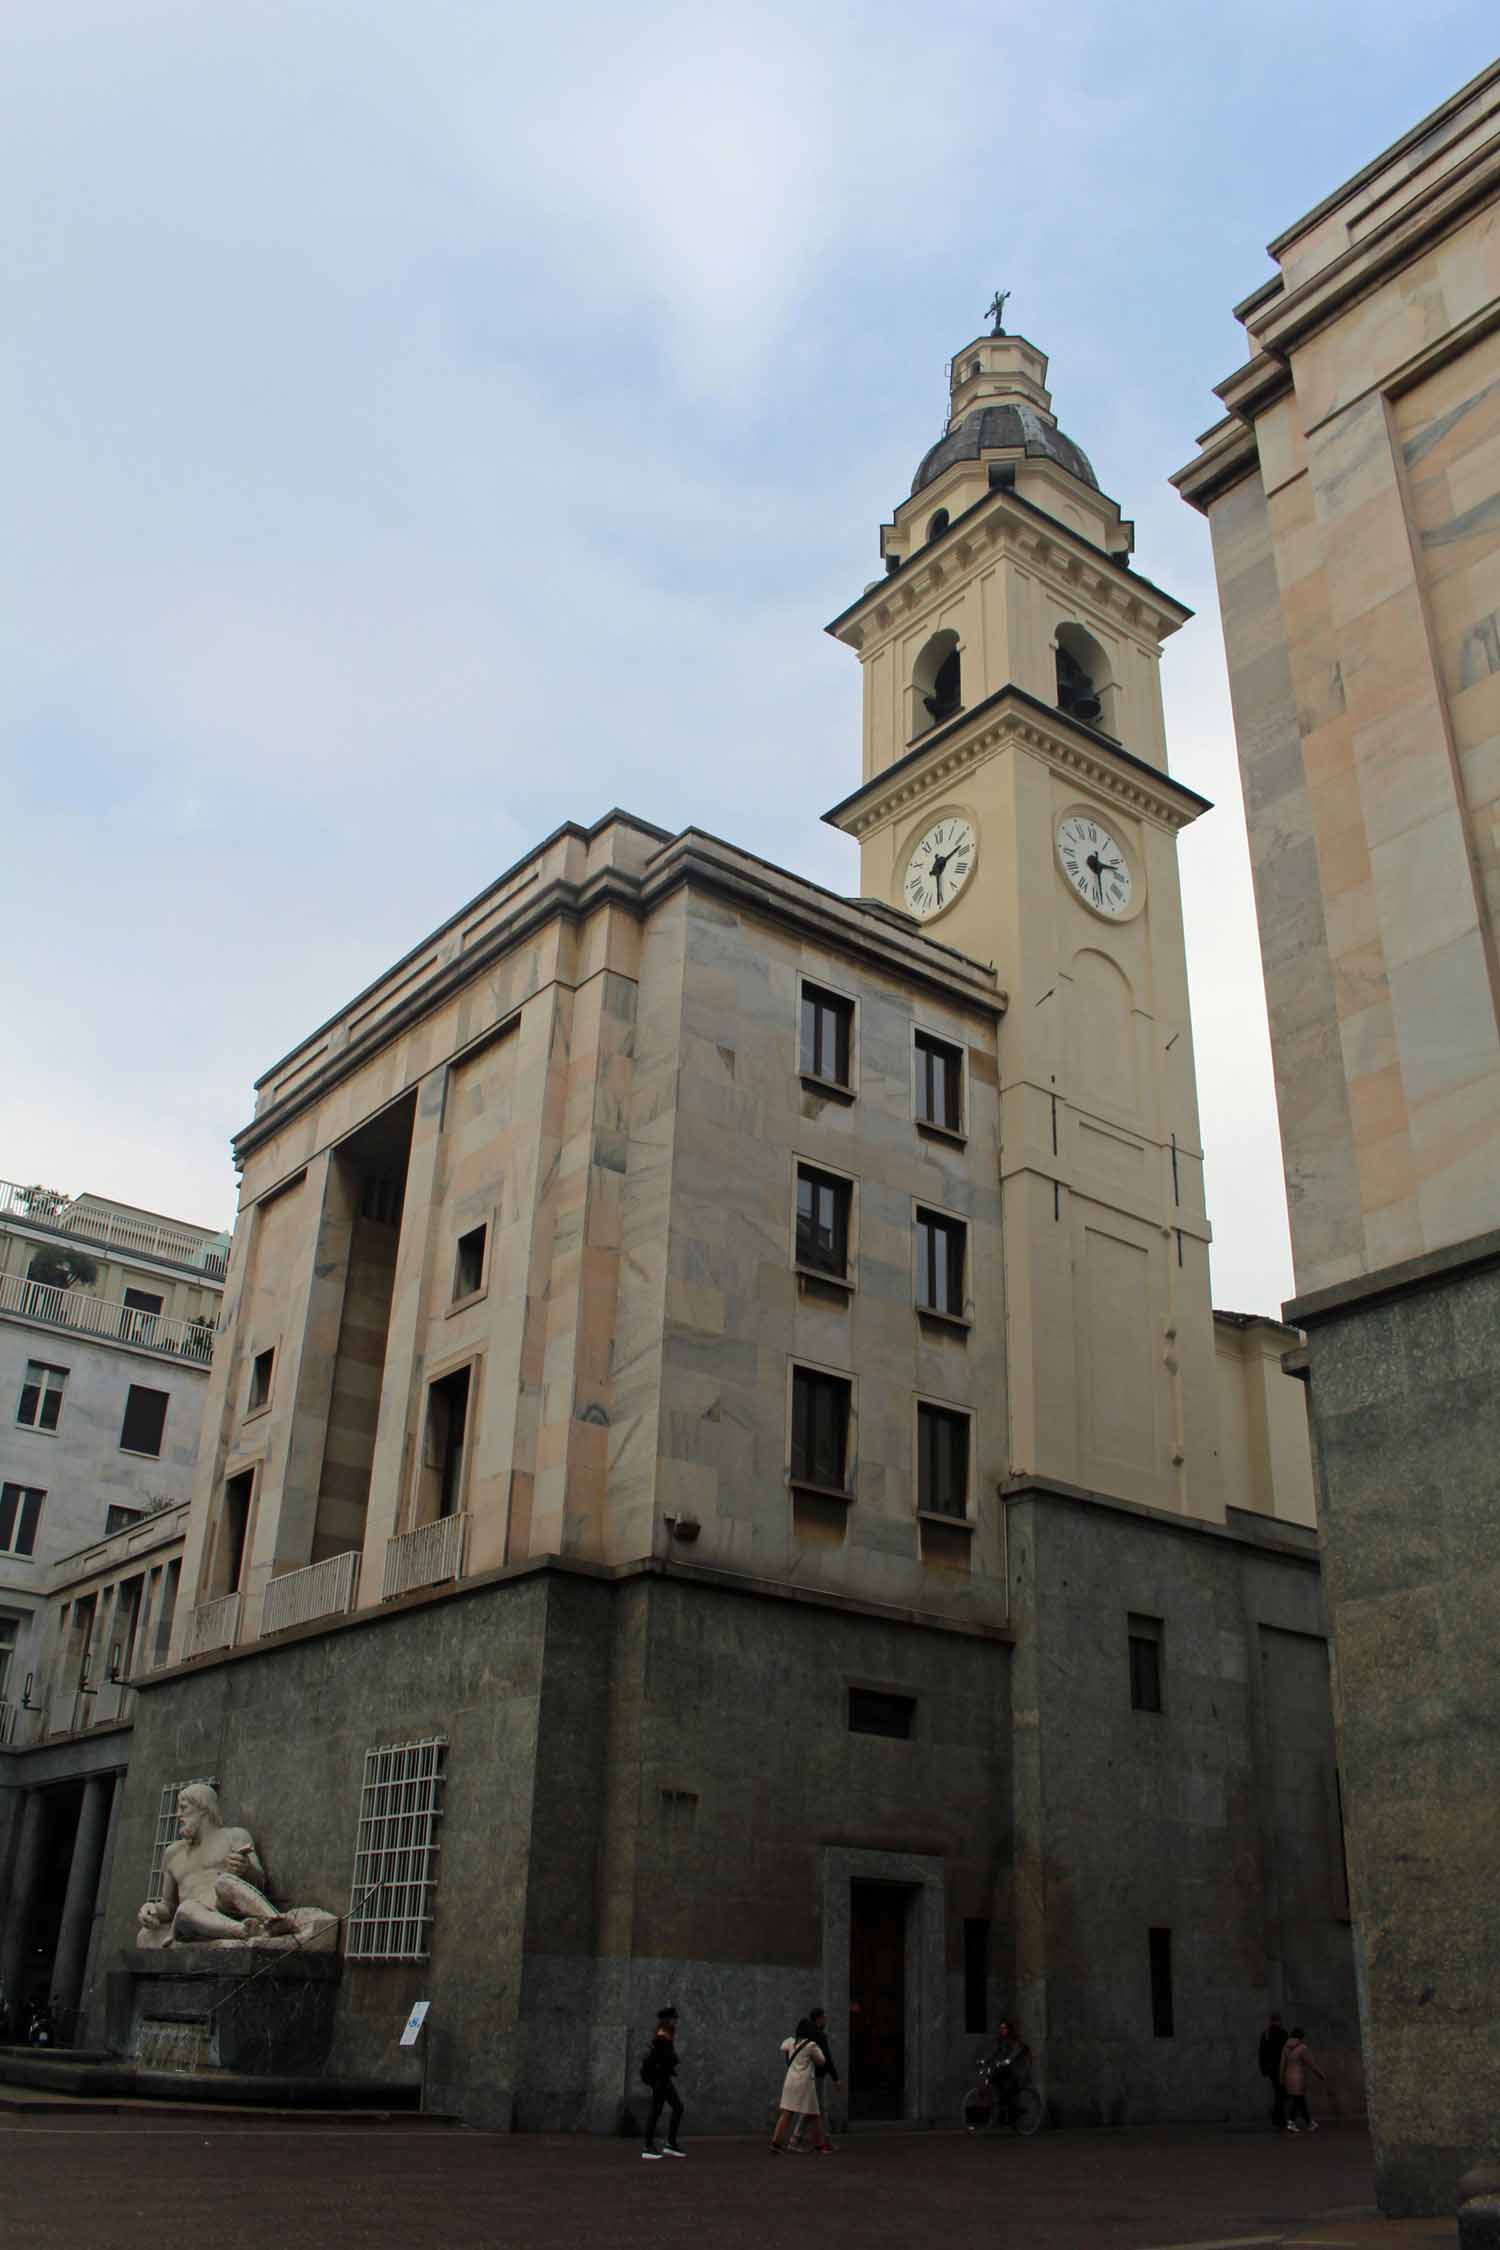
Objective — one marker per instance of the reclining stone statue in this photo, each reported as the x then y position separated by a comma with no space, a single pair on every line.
213,1889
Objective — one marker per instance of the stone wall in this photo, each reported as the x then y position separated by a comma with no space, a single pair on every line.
1406,1425
1214,1818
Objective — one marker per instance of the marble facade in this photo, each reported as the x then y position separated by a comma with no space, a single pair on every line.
1354,497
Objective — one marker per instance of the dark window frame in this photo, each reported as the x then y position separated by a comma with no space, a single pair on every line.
825,1037
262,1376
976,1973
837,1192
1163,2011
887,1712
470,1265
136,1412
943,1431
939,1061
1145,1639
822,1418
942,1243
20,1519
40,1395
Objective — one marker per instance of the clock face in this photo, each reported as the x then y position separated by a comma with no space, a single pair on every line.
941,863
1095,865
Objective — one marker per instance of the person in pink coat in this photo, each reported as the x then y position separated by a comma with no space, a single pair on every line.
1296,2062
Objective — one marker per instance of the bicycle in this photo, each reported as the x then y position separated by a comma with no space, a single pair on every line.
999,2099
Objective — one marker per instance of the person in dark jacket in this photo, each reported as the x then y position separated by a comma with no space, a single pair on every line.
658,2069
1272,2040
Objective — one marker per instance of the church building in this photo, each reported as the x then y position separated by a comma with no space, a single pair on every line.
721,1481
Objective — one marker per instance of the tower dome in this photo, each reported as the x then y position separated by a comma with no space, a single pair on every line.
1000,404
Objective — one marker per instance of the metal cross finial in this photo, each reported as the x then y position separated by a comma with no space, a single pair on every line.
996,306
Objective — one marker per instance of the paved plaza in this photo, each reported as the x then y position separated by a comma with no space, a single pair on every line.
137,2179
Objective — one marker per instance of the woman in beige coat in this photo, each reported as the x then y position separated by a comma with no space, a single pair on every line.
1296,2062
799,2089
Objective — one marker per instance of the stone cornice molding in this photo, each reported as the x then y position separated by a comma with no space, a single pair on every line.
690,858
1292,316
1002,523
1014,720
1229,454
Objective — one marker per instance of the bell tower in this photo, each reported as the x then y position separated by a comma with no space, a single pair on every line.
1016,803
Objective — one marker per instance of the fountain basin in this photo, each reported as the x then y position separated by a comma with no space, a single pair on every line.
193,2010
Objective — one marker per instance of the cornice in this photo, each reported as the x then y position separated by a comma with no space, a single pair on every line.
1015,719
690,858
1228,454
1297,314
1003,522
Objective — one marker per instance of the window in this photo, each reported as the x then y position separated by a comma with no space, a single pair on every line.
937,686
976,1975
942,1461
1145,1663
138,1322
1161,1982
877,1711
443,1453
145,1420
166,1610
20,1513
468,1263
41,1395
820,1429
827,1025
940,1084
823,1203
120,1519
1083,677
937,524
940,1264
260,1380
238,1492
381,1196
10,1632
396,1852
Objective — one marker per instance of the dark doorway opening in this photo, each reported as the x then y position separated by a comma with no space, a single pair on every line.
879,1918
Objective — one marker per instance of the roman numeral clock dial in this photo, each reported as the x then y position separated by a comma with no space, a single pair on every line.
1095,864
940,864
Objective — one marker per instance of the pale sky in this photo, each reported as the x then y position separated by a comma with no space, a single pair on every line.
430,423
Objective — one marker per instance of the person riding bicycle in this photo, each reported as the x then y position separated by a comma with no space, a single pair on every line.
1010,2058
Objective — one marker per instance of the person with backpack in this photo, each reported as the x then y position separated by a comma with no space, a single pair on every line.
799,2089
658,2069
1296,2062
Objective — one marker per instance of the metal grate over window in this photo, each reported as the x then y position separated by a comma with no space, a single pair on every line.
166,1833
396,1852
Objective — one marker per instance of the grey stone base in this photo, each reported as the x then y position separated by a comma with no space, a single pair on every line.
196,2008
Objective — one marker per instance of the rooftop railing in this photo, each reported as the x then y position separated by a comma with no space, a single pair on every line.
119,1230
189,1340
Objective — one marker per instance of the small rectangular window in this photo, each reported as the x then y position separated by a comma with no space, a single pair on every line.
238,1492
20,1513
977,1975
120,1519
143,1300
820,1429
827,1028
145,1420
41,1395
942,1461
468,1263
940,1080
443,1454
823,1203
260,1380
393,1896
1161,1983
1145,1663
877,1711
940,1263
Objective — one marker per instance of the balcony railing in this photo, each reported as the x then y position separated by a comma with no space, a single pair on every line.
189,1340
424,1557
122,1230
213,1625
324,1589
8,1715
